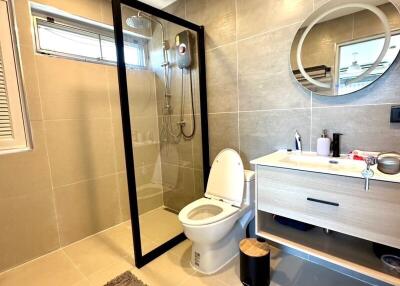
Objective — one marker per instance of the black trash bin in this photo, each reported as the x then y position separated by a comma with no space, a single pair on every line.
254,262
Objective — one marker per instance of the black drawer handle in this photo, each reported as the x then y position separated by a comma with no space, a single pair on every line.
323,202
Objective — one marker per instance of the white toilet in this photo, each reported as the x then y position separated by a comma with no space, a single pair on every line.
216,223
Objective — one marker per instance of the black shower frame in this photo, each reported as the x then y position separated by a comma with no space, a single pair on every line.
140,259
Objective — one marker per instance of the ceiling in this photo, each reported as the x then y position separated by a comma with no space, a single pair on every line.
160,4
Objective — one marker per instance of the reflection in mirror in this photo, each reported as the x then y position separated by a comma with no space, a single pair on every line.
345,46
164,107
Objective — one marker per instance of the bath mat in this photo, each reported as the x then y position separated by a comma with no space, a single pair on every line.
126,279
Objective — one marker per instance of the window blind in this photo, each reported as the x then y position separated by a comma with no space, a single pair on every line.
14,128
6,131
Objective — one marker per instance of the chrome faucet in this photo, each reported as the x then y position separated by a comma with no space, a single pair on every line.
368,173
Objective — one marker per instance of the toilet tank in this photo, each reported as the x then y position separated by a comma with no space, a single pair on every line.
249,187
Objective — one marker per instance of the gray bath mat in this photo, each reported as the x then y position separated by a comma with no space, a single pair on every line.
126,279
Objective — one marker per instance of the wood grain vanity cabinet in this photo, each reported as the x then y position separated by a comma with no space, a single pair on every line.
336,202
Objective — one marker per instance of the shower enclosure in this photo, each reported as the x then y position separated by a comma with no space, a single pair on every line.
161,71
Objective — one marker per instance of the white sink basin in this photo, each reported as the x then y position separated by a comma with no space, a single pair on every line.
310,161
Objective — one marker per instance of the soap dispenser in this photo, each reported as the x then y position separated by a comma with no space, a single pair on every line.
324,144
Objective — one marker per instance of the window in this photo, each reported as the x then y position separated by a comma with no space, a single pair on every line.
355,57
61,34
14,130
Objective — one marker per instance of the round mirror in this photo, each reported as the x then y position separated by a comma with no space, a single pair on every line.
345,46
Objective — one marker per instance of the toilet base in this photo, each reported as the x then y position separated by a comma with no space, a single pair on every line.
210,258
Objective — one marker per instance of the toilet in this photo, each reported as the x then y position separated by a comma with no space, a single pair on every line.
216,223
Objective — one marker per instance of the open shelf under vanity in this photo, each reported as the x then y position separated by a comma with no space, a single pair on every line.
344,250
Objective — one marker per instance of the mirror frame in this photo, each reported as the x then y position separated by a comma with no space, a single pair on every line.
298,49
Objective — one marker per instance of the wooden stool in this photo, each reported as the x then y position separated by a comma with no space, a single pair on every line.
254,262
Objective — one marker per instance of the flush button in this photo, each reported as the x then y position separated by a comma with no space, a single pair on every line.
395,114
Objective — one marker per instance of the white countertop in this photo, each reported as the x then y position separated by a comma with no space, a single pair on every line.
310,161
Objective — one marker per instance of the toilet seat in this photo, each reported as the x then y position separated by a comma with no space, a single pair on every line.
206,211
224,193
226,179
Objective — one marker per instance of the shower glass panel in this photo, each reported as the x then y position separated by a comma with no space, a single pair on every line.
166,113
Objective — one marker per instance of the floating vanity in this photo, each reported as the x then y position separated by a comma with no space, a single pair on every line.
329,193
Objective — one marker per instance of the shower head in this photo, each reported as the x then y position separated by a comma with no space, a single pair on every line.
142,21
138,22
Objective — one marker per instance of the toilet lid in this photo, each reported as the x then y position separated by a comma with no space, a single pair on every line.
226,180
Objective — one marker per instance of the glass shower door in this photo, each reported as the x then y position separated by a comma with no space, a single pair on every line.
161,71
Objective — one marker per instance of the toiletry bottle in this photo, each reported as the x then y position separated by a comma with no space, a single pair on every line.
324,144
336,145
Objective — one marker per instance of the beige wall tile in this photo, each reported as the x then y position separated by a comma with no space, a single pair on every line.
80,149
366,23
54,269
141,92
265,79
106,12
30,82
24,23
29,227
150,197
222,79
176,91
320,46
72,89
177,8
145,129
90,9
119,144
149,174
218,17
113,90
149,188
177,154
145,154
179,186
87,207
199,186
265,132
223,132
198,145
26,172
26,46
258,16
180,153
363,127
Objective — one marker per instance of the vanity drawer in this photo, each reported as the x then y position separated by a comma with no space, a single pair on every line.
334,202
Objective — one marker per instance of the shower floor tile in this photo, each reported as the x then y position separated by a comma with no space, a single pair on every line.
99,258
